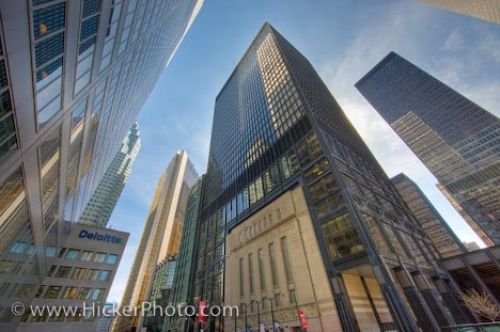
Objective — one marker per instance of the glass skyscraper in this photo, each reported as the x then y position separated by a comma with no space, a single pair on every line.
103,200
456,139
161,236
436,228
287,171
73,77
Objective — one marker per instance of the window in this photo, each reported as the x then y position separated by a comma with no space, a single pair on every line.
100,257
277,299
87,256
104,275
40,291
286,259
94,275
84,293
261,269
48,32
341,236
274,269
70,293
98,294
79,273
19,247
53,292
72,254
242,282
250,273
63,272
112,259
52,270
291,296
50,251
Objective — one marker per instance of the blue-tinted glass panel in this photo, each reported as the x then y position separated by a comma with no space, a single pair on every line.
47,20
44,73
91,7
39,2
5,104
89,27
49,48
49,111
86,45
3,75
7,128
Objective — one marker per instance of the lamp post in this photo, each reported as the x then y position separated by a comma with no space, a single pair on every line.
271,300
246,316
258,313
298,313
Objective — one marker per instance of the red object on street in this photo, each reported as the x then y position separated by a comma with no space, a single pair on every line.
202,305
303,319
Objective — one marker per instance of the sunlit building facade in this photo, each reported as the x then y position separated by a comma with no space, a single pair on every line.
288,172
456,139
436,228
488,10
182,292
73,77
106,195
160,238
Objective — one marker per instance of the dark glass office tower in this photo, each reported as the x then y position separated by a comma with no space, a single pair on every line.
436,228
278,132
74,75
456,139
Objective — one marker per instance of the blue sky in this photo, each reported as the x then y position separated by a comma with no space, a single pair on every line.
343,40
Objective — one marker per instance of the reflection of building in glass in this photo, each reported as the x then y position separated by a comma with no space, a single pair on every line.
73,77
436,228
478,270
182,292
456,139
161,235
103,200
488,10
161,289
297,213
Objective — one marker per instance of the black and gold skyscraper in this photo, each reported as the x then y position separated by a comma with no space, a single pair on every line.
456,139
436,228
297,212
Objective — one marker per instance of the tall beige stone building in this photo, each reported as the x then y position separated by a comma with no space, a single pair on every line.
161,235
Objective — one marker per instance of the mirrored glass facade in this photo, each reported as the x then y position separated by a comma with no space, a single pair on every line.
276,126
456,139
68,96
106,195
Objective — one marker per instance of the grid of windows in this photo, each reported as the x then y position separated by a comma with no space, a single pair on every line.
48,34
8,139
89,26
112,28
131,7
